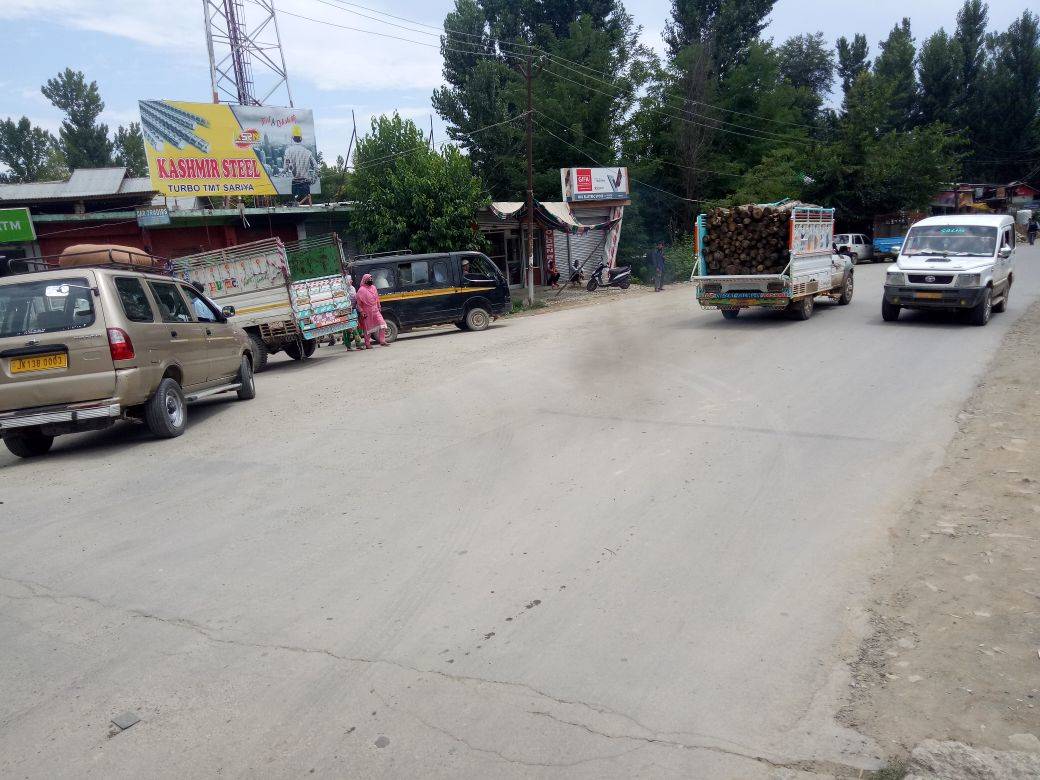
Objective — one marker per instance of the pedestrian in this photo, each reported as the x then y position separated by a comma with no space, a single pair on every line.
371,312
352,336
554,274
1031,228
656,261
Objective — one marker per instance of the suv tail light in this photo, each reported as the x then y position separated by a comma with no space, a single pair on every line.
119,344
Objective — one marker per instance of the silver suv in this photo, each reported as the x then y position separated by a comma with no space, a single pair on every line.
81,347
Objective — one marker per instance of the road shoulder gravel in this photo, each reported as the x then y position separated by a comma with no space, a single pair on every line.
954,653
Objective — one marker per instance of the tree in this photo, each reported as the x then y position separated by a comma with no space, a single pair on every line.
589,65
408,196
895,67
30,153
84,141
971,39
129,149
724,28
807,63
939,72
852,60
335,180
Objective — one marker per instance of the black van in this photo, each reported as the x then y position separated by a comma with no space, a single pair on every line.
417,290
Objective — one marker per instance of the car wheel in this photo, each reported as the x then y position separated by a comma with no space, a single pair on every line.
1002,306
847,288
803,309
889,311
980,314
730,314
247,391
393,330
28,444
477,319
259,352
166,412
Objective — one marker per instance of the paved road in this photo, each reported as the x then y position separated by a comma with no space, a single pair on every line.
625,540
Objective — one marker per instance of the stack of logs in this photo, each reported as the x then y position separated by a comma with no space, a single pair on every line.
747,240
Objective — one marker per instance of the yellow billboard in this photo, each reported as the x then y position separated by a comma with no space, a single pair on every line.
200,149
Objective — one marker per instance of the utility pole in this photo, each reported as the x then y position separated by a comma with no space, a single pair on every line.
529,75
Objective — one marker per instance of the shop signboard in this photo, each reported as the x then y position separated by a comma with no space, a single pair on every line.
594,184
16,226
322,306
200,149
153,216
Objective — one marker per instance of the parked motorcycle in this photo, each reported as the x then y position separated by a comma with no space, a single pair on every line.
620,276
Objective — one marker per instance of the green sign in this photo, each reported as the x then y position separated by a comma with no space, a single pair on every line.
16,226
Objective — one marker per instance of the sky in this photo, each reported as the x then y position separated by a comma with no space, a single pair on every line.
148,49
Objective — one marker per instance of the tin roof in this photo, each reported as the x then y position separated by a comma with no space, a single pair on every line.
82,184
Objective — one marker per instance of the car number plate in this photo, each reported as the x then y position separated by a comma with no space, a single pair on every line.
39,363
929,295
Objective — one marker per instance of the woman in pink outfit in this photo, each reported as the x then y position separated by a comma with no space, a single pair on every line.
370,312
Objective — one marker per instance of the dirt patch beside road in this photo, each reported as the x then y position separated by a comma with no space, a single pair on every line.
955,650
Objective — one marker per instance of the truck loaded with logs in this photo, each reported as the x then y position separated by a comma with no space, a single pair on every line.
771,255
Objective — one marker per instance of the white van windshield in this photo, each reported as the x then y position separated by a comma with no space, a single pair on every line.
954,240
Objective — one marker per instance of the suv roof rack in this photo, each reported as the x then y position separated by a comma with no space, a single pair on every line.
371,255
135,261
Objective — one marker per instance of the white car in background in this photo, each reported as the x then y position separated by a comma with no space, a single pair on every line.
962,261
855,244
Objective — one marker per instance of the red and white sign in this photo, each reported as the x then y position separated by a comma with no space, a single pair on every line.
594,183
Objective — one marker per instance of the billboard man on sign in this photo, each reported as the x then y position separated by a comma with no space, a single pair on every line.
301,166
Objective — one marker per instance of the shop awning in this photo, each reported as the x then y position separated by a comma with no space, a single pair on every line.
551,214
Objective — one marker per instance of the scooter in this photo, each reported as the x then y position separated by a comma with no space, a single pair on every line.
620,276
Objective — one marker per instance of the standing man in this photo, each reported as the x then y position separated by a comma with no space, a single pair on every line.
1031,229
301,165
656,261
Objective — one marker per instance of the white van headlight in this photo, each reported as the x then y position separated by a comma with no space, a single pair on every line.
895,278
969,280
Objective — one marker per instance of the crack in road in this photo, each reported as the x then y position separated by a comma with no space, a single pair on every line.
651,737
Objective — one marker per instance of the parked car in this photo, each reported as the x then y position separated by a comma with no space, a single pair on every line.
856,245
888,248
81,347
964,262
464,288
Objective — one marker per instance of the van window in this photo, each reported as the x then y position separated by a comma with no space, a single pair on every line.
440,272
383,278
203,311
1008,239
415,273
171,304
135,302
45,306
478,268
963,240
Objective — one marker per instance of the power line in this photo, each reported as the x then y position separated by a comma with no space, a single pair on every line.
645,184
666,162
595,73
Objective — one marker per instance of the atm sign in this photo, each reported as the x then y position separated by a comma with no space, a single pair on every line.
584,179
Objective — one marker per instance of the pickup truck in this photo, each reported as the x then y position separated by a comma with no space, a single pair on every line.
810,268
888,248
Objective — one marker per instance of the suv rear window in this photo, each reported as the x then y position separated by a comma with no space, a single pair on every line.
45,306
412,274
135,302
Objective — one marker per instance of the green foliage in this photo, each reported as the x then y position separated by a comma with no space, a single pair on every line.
410,197
335,180
30,153
780,174
729,27
939,69
84,141
895,68
129,149
679,259
807,63
852,60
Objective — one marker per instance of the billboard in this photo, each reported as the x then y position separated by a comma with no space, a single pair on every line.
197,149
594,183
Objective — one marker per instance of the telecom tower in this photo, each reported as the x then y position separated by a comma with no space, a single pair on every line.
236,51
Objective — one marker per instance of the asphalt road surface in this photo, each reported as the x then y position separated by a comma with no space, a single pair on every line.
631,539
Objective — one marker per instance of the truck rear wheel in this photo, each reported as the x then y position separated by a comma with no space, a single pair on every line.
889,311
802,309
730,314
297,352
259,352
